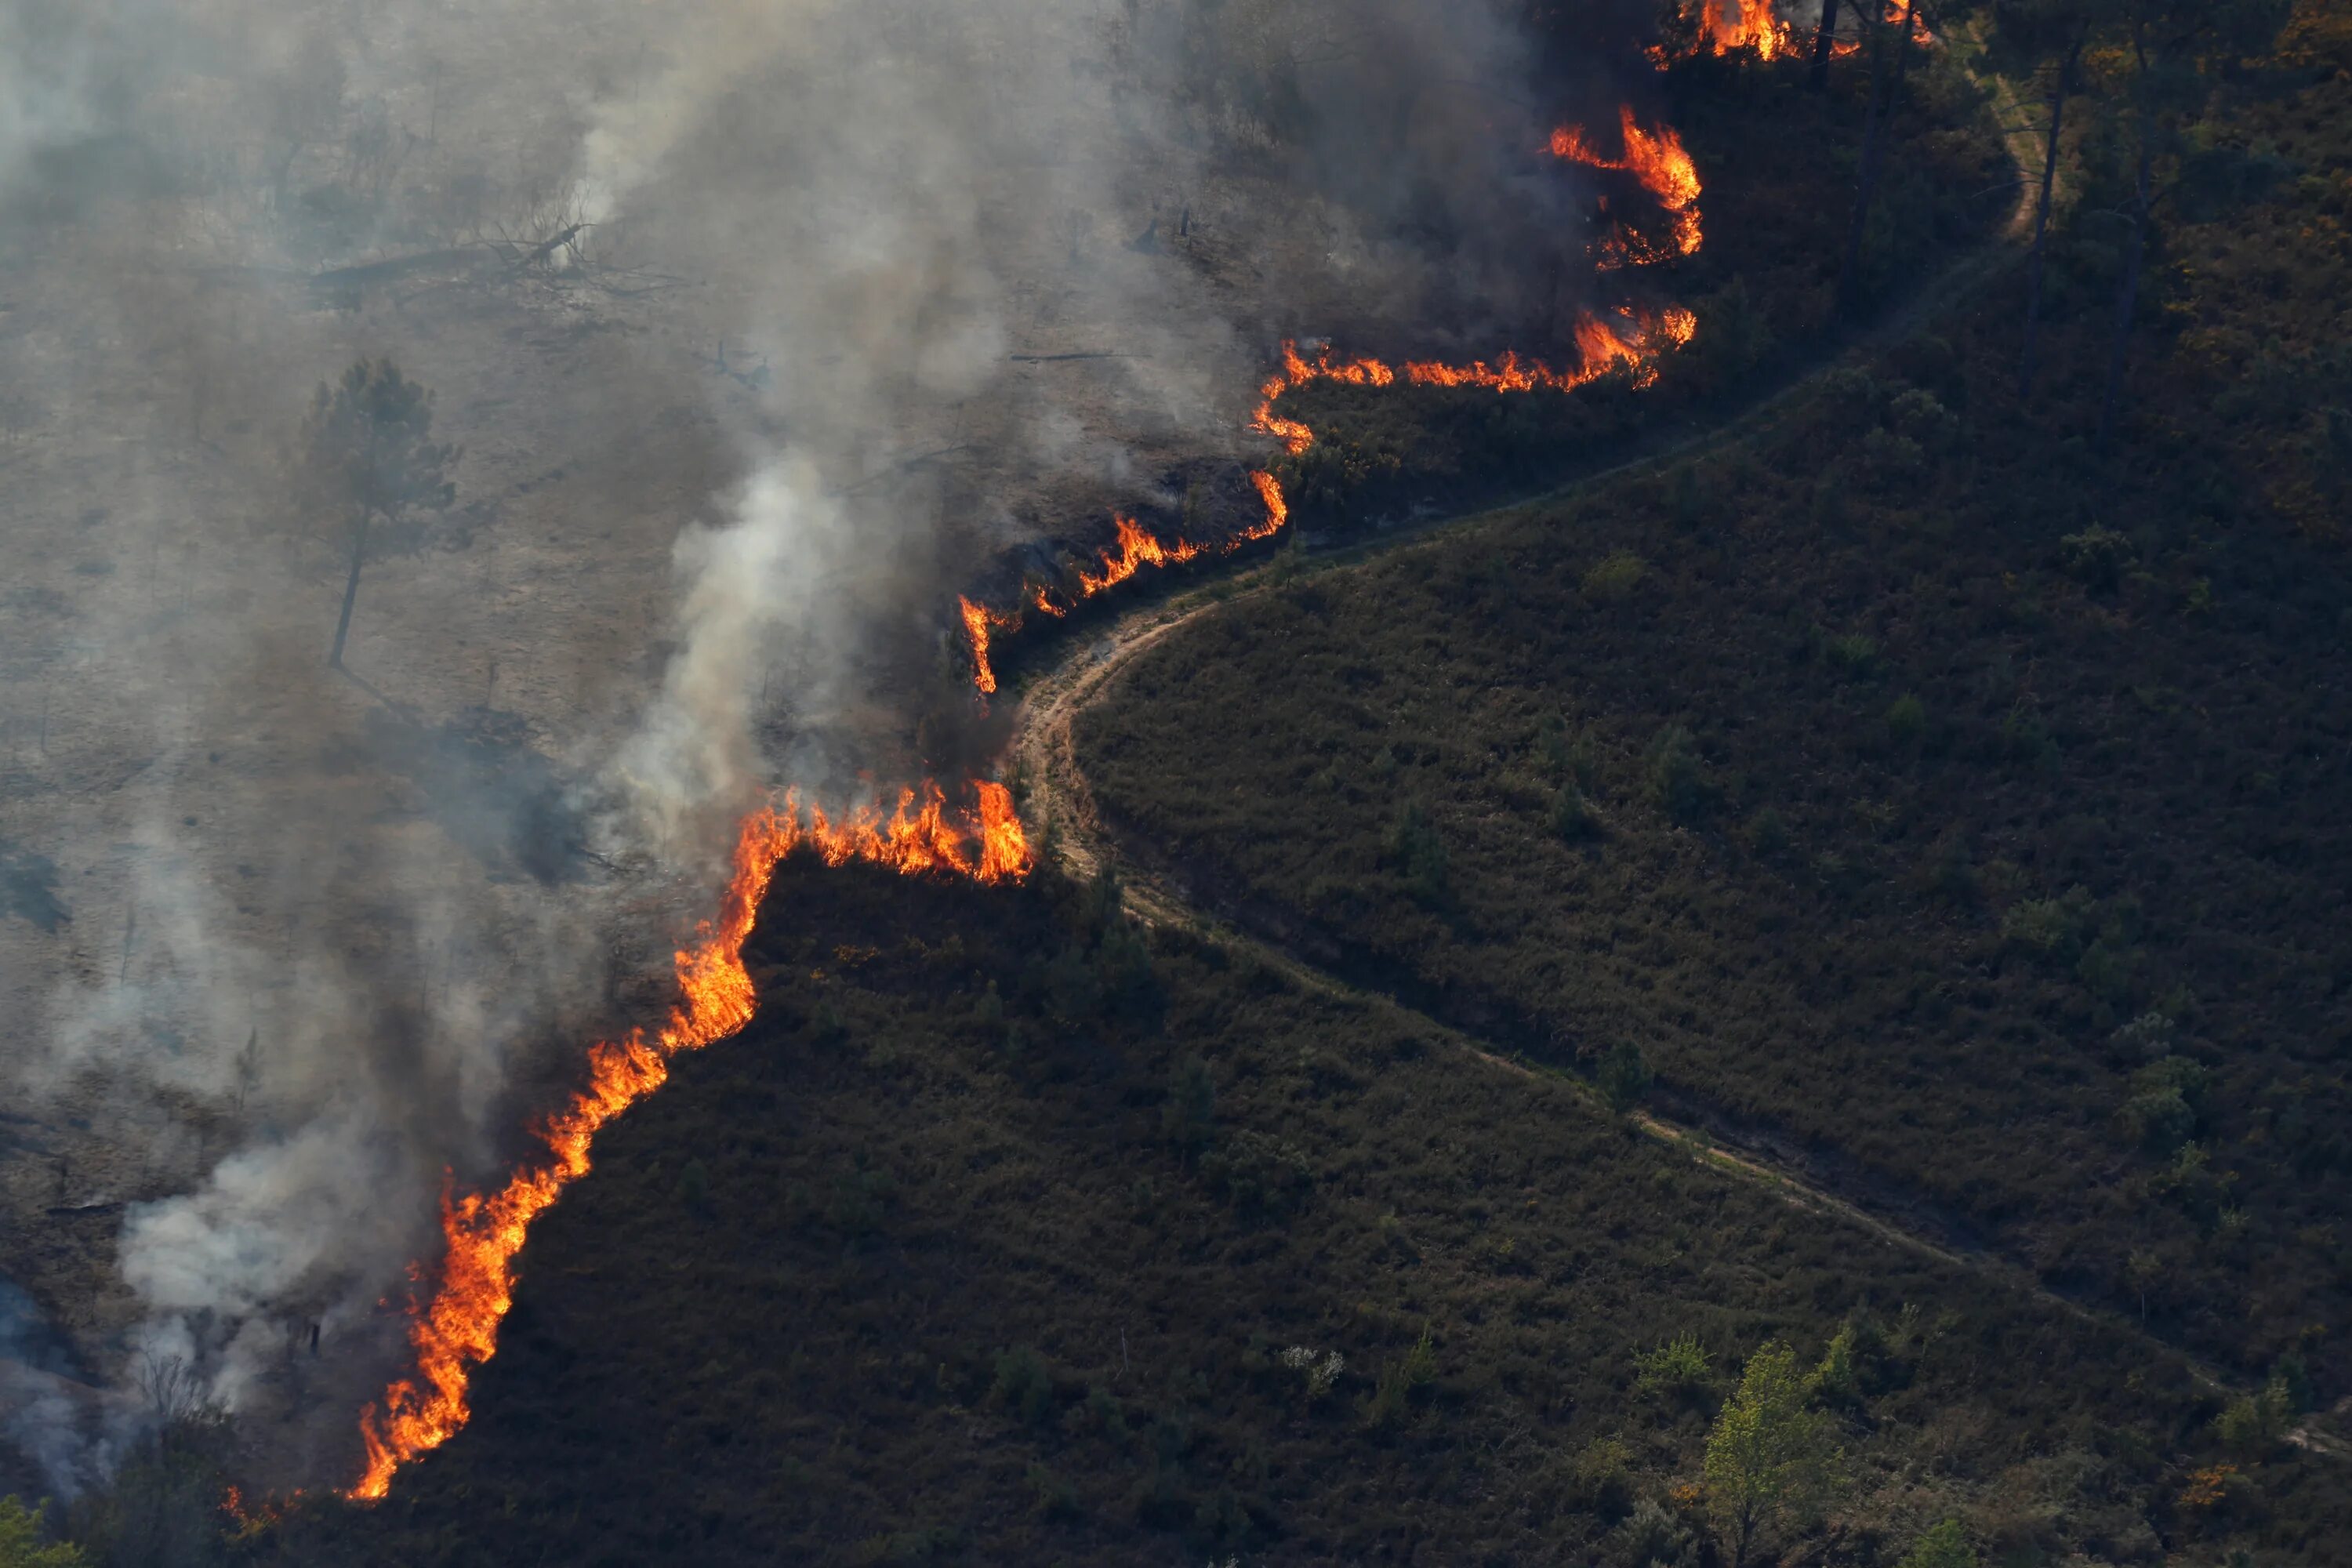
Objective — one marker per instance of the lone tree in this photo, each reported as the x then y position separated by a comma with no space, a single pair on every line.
365,464
1770,1460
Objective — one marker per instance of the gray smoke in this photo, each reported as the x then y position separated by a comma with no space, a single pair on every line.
732,446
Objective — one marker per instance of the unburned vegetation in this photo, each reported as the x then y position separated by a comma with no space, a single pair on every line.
1014,1231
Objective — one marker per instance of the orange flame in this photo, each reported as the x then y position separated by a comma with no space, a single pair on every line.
1727,26
978,622
457,1328
1659,161
1633,347
1751,24
1277,509
1137,550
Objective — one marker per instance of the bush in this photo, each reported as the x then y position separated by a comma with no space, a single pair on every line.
20,1539
1255,1173
1855,654
1022,1385
1188,1120
1907,720
2254,1425
2162,1112
2051,927
694,1187
1601,1479
1623,1077
1921,417
1563,753
1419,855
1678,784
1056,1498
1678,1365
2095,557
1613,577
1398,1379
1945,1546
1652,1538
1572,818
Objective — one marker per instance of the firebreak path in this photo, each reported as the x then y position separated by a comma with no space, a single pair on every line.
1084,671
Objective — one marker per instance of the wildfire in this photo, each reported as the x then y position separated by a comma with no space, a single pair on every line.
457,1328
1731,26
1632,346
978,622
1137,550
1658,160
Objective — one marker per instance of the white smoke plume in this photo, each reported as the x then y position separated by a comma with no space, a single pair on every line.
297,952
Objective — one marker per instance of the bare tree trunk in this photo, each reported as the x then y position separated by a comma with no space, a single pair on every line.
1824,39
2058,90
2127,299
1874,149
350,590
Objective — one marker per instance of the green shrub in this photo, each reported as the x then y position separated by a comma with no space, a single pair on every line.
2257,1423
1613,577
1564,752
1838,1379
1678,1365
1254,1171
1572,818
1623,1077
1419,855
1188,1120
1767,832
2095,557
2163,1111
20,1539
1945,1546
1891,459
1907,720
1398,1379
1855,654
858,1198
694,1187
1023,1384
1056,1497
1600,1478
1921,417
1650,1536
1678,783
2051,927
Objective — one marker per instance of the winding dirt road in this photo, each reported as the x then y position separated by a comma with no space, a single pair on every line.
1085,669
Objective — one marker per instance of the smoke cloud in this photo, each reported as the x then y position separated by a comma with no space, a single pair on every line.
766,325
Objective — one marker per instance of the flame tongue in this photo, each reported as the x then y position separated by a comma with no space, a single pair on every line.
458,1328
1658,160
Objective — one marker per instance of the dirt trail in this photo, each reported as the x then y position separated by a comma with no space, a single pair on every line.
1083,671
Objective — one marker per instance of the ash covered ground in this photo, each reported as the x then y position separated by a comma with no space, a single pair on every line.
762,328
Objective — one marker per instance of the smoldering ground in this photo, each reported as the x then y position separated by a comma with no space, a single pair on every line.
764,327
